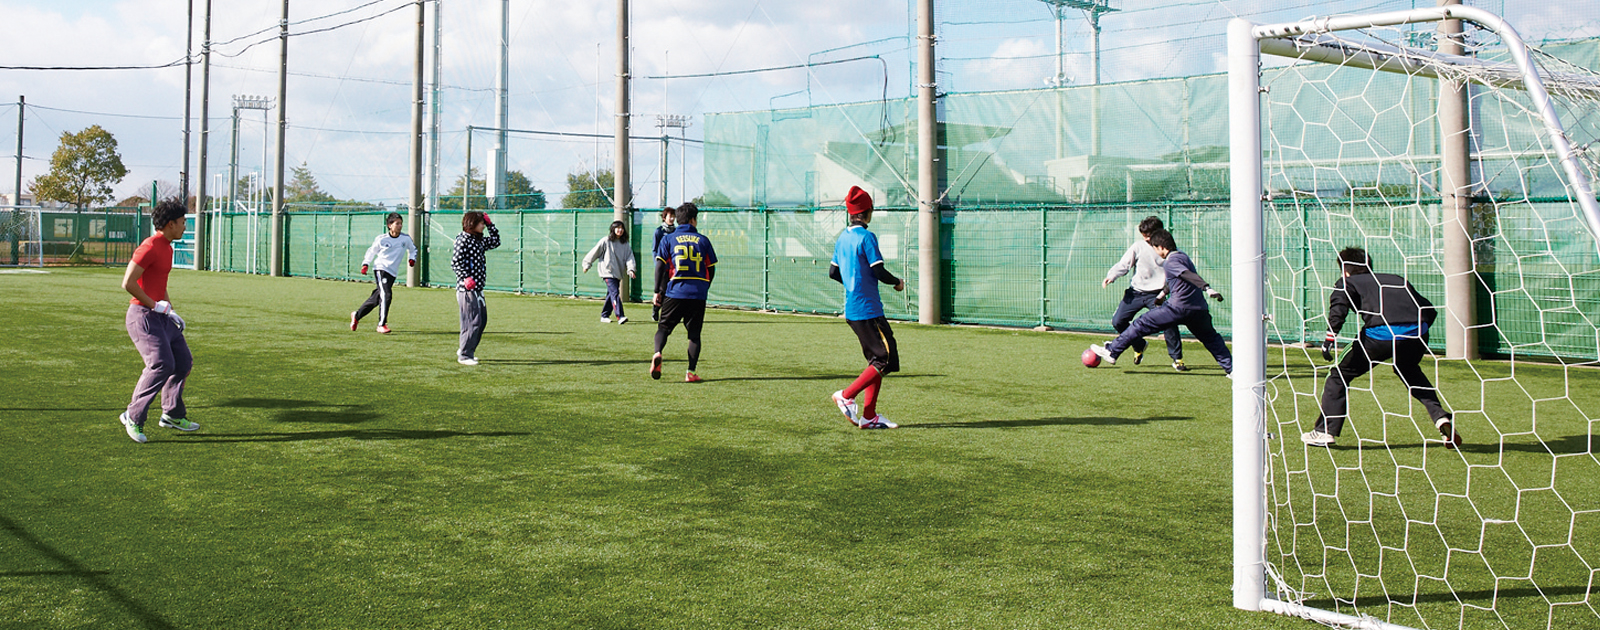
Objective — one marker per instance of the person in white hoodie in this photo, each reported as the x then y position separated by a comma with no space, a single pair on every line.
1145,285
383,259
615,257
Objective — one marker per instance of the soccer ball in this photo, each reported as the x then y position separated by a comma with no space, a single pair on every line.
1090,359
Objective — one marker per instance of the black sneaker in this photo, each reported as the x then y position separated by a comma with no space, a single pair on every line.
1138,357
1179,366
1447,430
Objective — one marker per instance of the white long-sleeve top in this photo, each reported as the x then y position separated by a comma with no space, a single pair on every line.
615,257
1145,263
387,252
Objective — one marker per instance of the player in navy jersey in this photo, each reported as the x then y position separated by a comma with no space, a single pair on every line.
1183,301
685,265
1395,319
858,265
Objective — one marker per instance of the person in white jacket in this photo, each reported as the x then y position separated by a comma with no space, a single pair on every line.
615,257
1145,285
383,259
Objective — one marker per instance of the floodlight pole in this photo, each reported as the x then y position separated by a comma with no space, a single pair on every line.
929,213
665,122
275,238
200,222
497,167
188,102
414,215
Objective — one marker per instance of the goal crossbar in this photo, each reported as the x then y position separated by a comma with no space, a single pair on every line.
1247,41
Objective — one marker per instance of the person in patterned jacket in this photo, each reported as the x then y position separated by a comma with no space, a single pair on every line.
467,260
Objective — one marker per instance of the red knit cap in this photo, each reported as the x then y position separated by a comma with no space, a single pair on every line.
857,201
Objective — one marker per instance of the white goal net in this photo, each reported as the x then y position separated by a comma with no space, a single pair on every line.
21,244
1338,141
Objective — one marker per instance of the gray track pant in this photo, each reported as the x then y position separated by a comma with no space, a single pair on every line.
166,363
474,316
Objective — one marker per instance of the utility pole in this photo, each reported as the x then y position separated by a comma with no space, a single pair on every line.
622,200
188,101
497,176
929,248
205,137
1460,277
275,239
413,279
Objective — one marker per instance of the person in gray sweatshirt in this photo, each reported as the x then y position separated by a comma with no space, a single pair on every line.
1147,282
615,257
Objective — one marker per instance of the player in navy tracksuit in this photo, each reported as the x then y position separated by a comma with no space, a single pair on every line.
685,265
1395,319
858,265
669,222
1183,302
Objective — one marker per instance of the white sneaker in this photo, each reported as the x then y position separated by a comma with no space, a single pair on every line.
181,424
135,431
605,320
1318,438
1105,355
847,407
879,422
467,360
622,320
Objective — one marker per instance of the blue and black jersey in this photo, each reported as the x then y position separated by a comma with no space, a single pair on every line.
685,260
860,265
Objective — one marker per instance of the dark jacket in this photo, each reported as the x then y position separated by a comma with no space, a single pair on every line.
1381,299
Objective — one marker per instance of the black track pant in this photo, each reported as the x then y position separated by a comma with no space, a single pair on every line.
380,299
1358,360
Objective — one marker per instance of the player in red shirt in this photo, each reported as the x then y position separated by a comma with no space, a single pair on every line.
156,330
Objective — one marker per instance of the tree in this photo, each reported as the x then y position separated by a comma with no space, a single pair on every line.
589,190
303,188
520,193
82,170
712,199
451,199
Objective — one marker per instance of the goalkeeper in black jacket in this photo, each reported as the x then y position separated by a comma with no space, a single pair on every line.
1394,325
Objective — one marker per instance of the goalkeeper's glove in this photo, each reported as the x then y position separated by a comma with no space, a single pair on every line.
162,308
363,270
175,319
1213,294
470,283
411,262
486,220
1327,346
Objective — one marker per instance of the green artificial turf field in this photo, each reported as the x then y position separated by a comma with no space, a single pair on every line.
356,480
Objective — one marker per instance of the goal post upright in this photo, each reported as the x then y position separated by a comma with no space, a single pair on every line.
1247,41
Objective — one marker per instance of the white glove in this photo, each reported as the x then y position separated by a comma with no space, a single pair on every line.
1213,294
163,307
175,318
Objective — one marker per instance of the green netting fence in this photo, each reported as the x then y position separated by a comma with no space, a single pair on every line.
1011,265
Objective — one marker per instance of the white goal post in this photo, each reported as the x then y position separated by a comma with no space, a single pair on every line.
21,243
1303,40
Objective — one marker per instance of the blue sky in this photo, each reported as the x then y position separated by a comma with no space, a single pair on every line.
349,88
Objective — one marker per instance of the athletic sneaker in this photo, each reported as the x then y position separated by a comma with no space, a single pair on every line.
605,320
353,321
1317,438
1179,366
181,424
135,431
691,377
467,360
655,366
1452,440
1105,355
847,407
383,329
622,320
1138,357
879,422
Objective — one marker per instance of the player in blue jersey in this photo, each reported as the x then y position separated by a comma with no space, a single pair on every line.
685,265
858,265
1183,301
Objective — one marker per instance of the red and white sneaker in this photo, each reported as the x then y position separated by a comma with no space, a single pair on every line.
879,422
383,329
691,377
655,366
847,407
353,321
